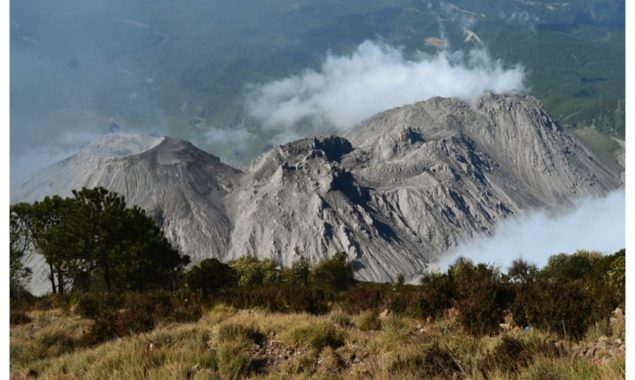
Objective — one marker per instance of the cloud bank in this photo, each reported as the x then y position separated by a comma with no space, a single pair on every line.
594,224
375,77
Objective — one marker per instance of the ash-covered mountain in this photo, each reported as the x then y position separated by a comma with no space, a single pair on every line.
395,193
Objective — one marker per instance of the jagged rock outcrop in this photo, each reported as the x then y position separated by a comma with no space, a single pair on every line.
394,193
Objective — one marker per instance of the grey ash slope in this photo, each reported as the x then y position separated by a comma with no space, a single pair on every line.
181,186
394,193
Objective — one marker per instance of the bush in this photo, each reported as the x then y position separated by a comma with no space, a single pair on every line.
334,273
133,321
298,274
210,276
279,299
481,296
368,321
482,309
437,361
616,276
560,307
434,362
317,336
509,355
100,331
361,297
252,273
578,266
96,305
237,332
54,344
405,299
340,318
233,360
436,295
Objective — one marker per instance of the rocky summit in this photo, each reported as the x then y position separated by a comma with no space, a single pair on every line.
395,192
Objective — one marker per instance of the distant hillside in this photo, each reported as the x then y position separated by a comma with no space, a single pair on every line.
183,70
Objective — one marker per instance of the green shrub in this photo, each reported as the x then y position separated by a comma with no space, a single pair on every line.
88,306
334,273
253,273
210,276
578,266
616,276
298,274
559,307
361,297
436,295
481,296
279,299
95,305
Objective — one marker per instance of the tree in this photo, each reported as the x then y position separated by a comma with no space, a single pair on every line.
210,276
481,296
124,246
616,276
92,240
335,273
19,245
298,273
252,273
521,271
34,230
563,267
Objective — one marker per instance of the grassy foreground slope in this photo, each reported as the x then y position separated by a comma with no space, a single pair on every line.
227,343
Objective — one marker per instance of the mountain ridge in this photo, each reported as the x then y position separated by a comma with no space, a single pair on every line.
395,192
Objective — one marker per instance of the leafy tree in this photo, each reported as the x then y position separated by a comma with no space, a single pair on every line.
564,267
298,273
334,273
616,276
20,243
561,307
93,240
38,225
481,296
252,273
210,276
437,294
521,271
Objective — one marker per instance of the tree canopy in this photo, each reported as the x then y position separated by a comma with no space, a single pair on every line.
93,241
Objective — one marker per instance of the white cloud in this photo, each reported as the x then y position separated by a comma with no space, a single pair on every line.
594,224
375,77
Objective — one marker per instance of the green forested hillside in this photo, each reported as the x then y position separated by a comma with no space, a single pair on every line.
183,68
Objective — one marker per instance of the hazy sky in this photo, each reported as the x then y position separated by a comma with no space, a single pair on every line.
222,75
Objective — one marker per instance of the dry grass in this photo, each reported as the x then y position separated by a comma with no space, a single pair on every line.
227,343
